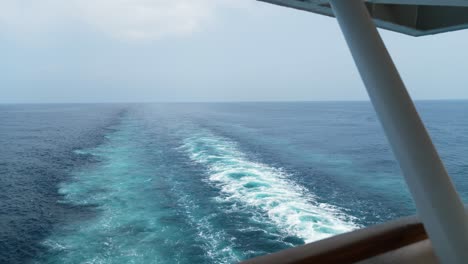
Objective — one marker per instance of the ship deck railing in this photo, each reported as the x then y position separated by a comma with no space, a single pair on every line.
398,241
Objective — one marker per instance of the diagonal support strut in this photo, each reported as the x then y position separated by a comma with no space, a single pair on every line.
438,204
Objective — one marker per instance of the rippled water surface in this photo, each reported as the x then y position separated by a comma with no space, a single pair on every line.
200,183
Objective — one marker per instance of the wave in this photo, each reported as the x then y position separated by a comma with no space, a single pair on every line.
265,189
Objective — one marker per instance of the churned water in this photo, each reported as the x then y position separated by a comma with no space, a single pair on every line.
200,183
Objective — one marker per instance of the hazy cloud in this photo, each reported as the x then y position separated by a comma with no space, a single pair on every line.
127,19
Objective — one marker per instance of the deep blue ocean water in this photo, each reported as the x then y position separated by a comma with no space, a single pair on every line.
201,183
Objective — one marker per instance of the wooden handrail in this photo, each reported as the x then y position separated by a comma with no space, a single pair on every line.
353,246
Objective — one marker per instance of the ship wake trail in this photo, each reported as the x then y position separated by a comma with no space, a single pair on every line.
265,190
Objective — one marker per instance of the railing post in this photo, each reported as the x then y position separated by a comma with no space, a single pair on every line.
439,206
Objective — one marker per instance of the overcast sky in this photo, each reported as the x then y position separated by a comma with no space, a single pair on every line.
200,50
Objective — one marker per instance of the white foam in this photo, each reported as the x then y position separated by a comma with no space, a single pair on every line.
266,189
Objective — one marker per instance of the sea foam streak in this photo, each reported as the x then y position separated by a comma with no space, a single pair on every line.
266,189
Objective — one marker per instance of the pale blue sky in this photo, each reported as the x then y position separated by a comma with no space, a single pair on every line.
201,50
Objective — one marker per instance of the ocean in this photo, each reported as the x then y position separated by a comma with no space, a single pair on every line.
201,182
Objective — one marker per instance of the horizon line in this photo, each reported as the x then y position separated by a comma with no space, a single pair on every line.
214,101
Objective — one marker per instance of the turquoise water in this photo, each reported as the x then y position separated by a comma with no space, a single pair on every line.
132,198
145,212
200,183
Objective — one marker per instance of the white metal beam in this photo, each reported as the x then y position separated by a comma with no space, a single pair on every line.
439,206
